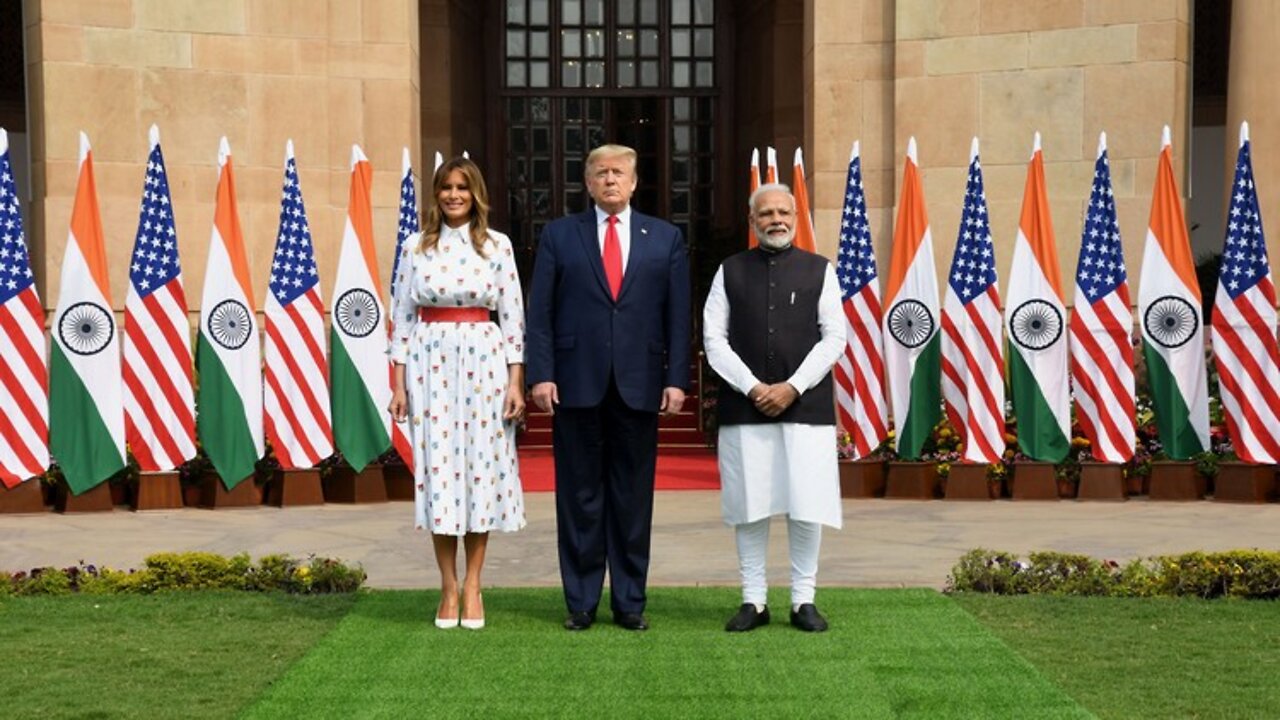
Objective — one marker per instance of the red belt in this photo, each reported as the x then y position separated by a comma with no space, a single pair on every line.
453,314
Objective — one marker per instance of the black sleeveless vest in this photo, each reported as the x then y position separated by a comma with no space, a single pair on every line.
773,324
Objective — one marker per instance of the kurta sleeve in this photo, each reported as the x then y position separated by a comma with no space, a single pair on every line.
831,323
404,311
510,300
715,339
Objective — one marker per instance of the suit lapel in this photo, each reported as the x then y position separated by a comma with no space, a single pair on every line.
640,248
590,240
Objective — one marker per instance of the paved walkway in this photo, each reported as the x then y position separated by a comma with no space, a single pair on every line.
884,543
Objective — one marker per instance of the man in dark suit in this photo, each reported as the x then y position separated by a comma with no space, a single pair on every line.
607,352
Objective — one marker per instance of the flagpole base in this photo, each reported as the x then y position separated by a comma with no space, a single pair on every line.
1034,481
214,494
158,491
1102,481
294,488
348,486
968,481
1176,480
95,499
25,497
1241,482
399,481
912,481
862,478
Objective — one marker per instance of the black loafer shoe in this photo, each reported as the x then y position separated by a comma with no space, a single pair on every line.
748,618
580,620
808,618
630,621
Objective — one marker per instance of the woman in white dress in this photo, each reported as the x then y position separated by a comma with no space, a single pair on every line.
459,379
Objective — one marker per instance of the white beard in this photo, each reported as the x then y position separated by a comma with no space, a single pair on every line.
773,242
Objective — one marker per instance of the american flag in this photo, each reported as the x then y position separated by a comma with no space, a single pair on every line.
972,362
1244,325
1101,328
859,373
407,225
296,396
24,379
159,399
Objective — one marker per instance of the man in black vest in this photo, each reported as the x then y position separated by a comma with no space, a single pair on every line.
773,329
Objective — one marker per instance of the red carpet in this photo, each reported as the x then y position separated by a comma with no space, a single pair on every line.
693,469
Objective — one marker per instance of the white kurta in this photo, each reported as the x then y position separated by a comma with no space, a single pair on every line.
777,468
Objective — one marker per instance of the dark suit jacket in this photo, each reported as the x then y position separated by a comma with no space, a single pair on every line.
578,335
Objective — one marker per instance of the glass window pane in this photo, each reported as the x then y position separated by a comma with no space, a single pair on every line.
648,12
539,74
541,202
704,138
626,12
704,106
572,109
680,169
595,136
593,12
680,108
595,109
704,43
515,74
706,172
626,43
517,140
515,202
575,201
515,43
571,12
515,12
541,171
574,168
649,43
626,73
680,43
517,171
570,74
681,139
595,74
540,109
593,41
680,74
705,75
542,139
680,201
539,43
704,11
679,12
515,110
649,73
539,12
572,141
571,43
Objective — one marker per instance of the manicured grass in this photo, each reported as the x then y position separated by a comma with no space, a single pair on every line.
907,653
180,655
1154,658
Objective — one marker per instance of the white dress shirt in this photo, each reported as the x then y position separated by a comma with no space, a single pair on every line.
624,232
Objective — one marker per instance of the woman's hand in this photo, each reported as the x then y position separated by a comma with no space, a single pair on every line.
399,407
513,406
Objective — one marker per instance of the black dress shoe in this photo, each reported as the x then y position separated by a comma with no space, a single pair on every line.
748,618
808,618
580,620
630,621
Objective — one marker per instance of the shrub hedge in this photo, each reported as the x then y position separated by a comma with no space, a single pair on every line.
191,571
1236,573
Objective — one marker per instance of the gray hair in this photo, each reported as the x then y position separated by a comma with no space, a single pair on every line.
768,188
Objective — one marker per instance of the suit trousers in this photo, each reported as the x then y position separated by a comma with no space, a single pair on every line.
605,458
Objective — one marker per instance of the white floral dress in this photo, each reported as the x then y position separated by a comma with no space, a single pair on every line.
464,454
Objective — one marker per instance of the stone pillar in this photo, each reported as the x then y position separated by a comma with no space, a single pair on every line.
1253,95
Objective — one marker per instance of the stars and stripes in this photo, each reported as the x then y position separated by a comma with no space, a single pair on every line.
159,398
1244,324
859,373
1102,378
407,225
24,378
296,397
972,361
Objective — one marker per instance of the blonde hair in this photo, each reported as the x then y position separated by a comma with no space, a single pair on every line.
610,151
433,222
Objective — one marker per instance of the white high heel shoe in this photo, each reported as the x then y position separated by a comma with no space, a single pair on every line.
475,624
448,623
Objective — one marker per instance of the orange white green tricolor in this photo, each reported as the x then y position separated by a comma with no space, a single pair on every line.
358,365
804,238
912,349
1036,321
1172,327
86,397
752,184
228,358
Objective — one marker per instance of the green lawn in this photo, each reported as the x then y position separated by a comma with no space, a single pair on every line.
890,653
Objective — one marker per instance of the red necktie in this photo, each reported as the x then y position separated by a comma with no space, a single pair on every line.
612,256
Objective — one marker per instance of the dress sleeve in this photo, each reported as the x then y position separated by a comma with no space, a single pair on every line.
510,301
404,311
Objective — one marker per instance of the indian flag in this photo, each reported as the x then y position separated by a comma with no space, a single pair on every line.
358,367
1036,320
912,349
86,397
1172,331
228,360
